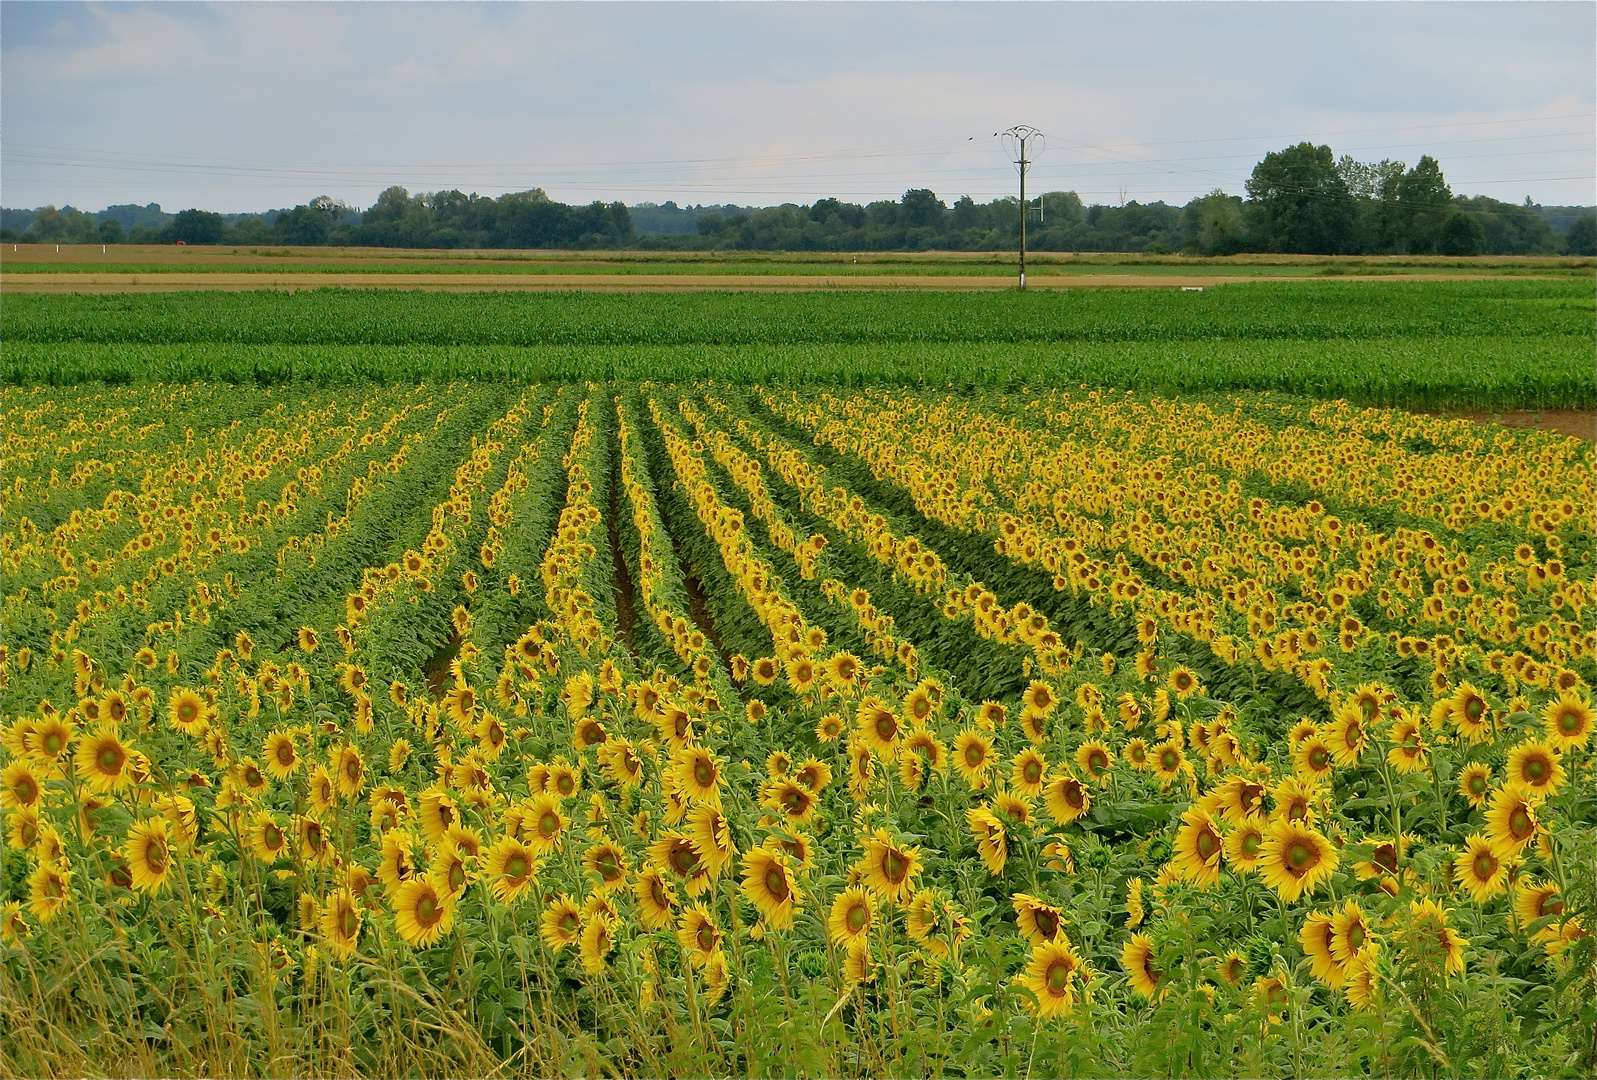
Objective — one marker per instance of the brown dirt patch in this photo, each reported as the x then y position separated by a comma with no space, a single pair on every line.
1578,423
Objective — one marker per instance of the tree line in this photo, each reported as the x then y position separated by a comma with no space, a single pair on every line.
1302,200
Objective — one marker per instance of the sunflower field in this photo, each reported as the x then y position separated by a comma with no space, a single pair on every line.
643,728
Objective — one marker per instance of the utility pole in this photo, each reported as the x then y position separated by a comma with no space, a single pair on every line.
1015,140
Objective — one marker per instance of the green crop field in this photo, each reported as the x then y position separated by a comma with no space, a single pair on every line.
1481,344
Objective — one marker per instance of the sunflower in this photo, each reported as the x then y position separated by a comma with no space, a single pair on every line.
598,938
992,842
655,898
1475,783
340,923
315,845
398,755
698,774
973,757
1533,768
22,828
1027,772
1350,932
49,890
796,802
510,865
813,774
423,911
878,726
1429,937
1233,966
842,670
397,864
1472,716
437,813
281,756
564,779
102,760
621,763
889,869
1295,800
1314,758
1384,856
675,854
547,824
187,712
765,670
698,935
307,639
1347,736
1536,900
1510,822
1136,754
323,791
1408,753
1295,859
1168,761
451,867
711,835
1480,869
1136,957
13,927
1038,922
148,852
1199,847
852,918
1014,810
460,704
1362,986
1568,721
349,770
1317,937
1094,759
267,840
1051,973
608,862
829,727
1066,798
561,923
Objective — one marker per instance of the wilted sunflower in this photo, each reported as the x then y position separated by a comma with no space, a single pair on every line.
561,923
852,918
1199,847
1136,958
148,853
1295,860
423,911
1480,869
1051,974
102,760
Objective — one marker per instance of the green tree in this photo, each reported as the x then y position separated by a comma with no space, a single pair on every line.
1299,203
1424,203
1582,237
921,208
1214,225
197,227
110,231
1464,234
303,225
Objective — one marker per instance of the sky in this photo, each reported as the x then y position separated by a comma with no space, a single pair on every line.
251,105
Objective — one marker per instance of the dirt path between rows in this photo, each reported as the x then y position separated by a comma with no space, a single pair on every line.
290,282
